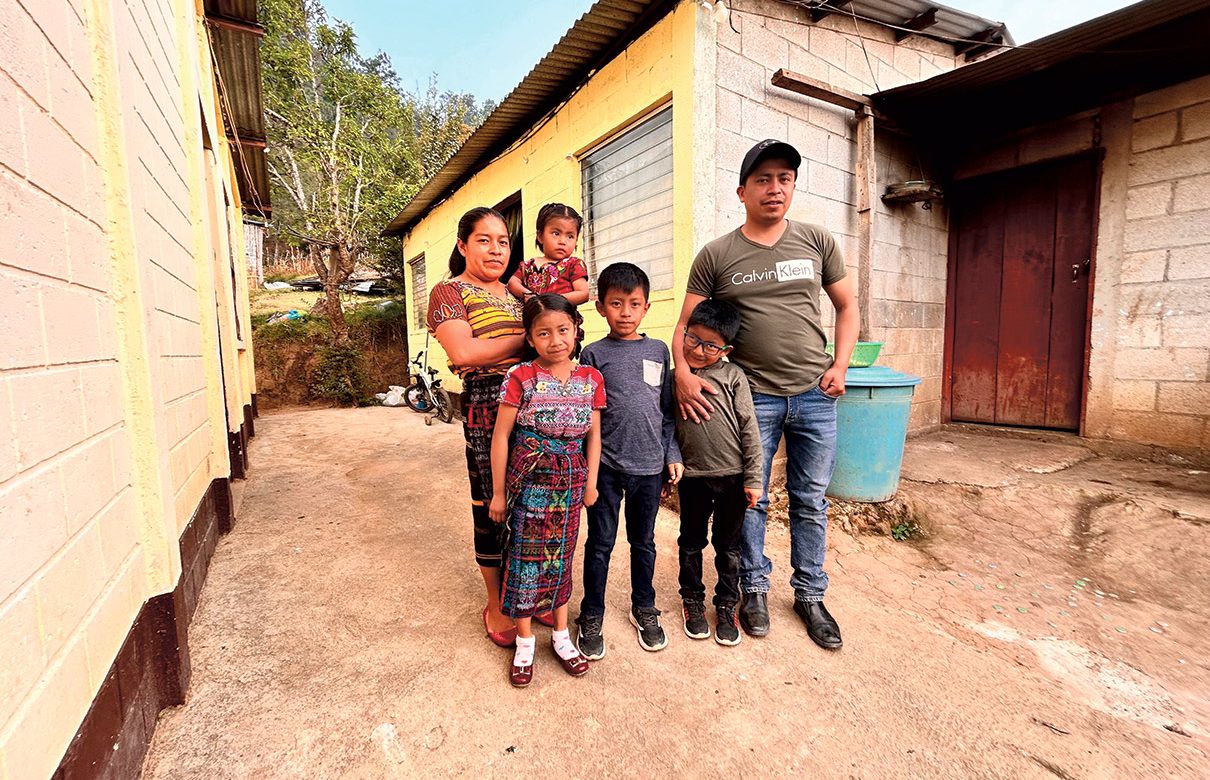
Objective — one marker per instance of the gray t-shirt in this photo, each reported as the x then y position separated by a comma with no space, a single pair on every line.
781,342
729,442
638,435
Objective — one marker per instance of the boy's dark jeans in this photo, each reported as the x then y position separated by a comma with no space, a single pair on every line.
724,498
642,493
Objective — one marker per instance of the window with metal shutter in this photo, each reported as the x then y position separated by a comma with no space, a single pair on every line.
628,201
420,290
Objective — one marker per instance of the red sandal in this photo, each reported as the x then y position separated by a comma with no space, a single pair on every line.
546,619
505,638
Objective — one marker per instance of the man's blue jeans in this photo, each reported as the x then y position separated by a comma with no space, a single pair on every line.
808,422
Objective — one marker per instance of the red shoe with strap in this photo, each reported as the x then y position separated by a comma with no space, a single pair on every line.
576,666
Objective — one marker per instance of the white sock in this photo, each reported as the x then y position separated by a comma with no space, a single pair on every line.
524,655
564,647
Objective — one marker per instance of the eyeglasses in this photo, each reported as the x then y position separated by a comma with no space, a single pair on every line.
709,347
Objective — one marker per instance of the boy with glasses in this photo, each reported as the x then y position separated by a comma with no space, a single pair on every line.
723,472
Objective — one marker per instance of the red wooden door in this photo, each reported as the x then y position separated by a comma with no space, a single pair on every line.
1019,295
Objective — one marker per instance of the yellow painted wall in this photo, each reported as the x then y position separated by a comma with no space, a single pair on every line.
656,70
113,414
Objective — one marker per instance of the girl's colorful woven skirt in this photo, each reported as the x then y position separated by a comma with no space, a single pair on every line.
545,481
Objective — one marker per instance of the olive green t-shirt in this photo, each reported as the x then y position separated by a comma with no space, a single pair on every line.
780,345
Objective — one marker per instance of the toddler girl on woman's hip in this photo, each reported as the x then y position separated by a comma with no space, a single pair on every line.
558,270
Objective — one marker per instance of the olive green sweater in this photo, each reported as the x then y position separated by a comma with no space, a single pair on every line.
729,442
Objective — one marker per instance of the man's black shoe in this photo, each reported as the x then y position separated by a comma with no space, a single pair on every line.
754,614
821,626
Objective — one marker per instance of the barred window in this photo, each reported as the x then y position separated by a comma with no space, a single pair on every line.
627,186
420,290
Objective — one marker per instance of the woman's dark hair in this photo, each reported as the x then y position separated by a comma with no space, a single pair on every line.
555,211
539,305
466,226
719,316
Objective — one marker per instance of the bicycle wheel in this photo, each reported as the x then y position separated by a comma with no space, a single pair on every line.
416,399
444,405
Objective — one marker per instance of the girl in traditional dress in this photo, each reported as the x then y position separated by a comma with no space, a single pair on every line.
552,404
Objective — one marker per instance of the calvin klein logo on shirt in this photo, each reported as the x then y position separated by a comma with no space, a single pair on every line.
785,271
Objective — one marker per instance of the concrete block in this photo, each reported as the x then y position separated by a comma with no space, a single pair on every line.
741,75
1170,162
12,143
33,226
36,739
108,625
804,62
1189,262
32,516
1168,231
1170,430
56,162
1145,266
834,119
1154,132
730,149
1192,194
1172,363
727,110
21,656
842,153
48,413
810,141
9,462
1184,397
70,317
759,121
1142,332
70,102
1186,330
88,481
828,45
1149,200
760,44
1134,395
729,38
1195,122
1171,98
88,256
1186,296
23,50
21,322
827,182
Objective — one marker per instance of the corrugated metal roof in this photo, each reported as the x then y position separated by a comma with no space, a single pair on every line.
1143,47
601,33
598,35
235,37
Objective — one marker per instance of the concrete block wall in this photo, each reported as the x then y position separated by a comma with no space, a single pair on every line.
908,263
1161,367
107,420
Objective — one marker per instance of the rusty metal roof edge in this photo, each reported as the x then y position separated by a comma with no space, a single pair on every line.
1095,33
488,137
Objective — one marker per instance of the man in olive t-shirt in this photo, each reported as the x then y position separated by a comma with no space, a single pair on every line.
772,269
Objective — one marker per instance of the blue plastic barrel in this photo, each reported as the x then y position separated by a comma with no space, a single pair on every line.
871,426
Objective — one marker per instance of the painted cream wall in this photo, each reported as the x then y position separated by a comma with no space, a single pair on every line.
656,70
112,415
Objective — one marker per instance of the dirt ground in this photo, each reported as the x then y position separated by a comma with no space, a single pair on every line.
1052,623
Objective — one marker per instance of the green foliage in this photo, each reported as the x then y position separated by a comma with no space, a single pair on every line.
347,146
309,329
905,530
340,375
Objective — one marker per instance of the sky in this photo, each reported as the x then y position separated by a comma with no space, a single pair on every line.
485,47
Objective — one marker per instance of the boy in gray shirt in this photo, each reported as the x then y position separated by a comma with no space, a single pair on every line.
723,471
638,447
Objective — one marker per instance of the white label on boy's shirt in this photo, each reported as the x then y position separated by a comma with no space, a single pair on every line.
789,270
653,372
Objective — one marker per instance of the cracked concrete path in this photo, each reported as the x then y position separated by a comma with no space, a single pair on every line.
339,636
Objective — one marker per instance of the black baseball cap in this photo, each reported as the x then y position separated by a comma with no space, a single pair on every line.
766,149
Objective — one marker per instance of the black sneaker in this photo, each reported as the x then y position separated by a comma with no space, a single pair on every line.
696,626
727,630
589,638
651,633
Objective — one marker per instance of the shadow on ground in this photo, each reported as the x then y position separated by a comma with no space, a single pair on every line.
1051,624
